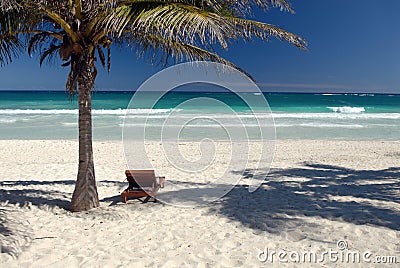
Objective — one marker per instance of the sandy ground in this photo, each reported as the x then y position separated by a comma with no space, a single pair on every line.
316,194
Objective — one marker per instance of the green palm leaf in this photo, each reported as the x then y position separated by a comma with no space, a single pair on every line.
153,44
191,24
10,45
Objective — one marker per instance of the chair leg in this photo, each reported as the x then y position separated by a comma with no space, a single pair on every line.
146,199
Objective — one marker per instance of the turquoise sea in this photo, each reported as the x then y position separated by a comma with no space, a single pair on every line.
53,115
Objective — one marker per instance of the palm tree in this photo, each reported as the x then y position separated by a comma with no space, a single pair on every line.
81,32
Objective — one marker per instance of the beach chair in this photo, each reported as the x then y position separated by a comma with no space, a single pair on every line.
142,183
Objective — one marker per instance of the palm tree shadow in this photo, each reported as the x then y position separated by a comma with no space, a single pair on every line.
3,229
13,237
52,194
362,197
55,196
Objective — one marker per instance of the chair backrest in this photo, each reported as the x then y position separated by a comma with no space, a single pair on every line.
144,178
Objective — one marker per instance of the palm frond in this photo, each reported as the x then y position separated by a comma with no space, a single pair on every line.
10,47
282,4
7,5
10,44
249,28
240,7
193,25
108,58
168,49
49,53
177,21
40,39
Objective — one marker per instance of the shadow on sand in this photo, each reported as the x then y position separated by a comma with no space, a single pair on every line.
362,197
330,192
13,235
56,196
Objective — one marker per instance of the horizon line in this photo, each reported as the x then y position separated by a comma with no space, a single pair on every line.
211,91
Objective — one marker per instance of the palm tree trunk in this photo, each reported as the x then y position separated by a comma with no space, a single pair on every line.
85,195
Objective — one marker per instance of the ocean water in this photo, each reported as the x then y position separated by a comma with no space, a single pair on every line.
54,115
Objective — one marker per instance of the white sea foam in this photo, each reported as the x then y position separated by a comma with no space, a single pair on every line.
193,126
135,111
247,125
365,95
337,115
163,113
350,116
7,120
152,116
320,125
36,111
277,115
347,109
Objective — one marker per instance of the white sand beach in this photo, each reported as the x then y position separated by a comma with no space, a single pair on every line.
316,194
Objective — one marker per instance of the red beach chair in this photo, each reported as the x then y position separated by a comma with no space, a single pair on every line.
142,183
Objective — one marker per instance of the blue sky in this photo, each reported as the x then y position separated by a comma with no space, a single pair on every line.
354,46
